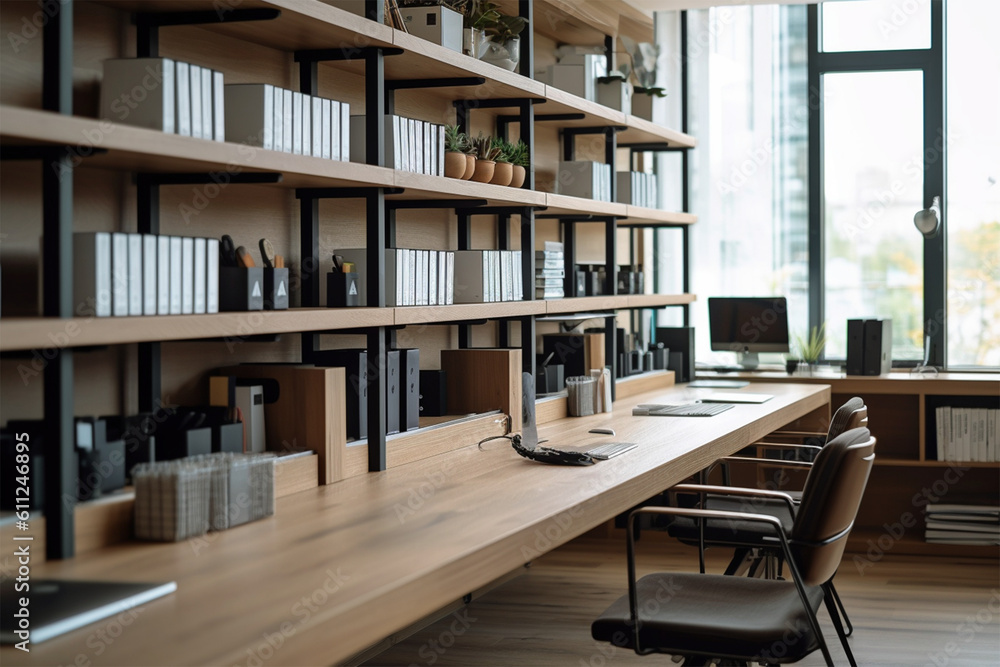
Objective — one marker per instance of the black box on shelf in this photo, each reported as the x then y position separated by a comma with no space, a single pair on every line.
855,347
275,289
433,394
181,443
355,363
409,396
241,289
342,290
680,342
137,431
550,378
393,391
878,347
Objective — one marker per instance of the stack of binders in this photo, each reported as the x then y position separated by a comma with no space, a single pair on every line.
413,277
273,118
166,95
586,179
488,276
119,274
550,271
636,188
963,524
410,144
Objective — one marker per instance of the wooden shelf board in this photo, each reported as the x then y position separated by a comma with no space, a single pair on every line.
585,303
43,332
303,24
643,131
581,22
653,300
140,149
597,115
566,204
424,59
638,215
416,315
421,186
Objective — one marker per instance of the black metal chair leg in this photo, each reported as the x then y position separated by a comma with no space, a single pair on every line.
843,612
734,565
831,606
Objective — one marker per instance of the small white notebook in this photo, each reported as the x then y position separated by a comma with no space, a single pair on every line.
736,397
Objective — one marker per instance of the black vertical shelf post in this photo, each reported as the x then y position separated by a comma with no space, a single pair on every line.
464,229
610,269
528,282
57,290
526,65
149,360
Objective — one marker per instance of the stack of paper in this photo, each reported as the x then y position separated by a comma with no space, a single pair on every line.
963,524
636,188
488,276
410,144
586,179
550,271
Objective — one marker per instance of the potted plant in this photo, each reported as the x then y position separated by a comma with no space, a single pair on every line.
486,154
645,57
503,45
811,347
455,147
504,170
519,158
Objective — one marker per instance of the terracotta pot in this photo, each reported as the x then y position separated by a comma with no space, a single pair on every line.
484,171
502,173
454,164
470,167
519,175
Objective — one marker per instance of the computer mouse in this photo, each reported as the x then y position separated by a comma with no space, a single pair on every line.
603,431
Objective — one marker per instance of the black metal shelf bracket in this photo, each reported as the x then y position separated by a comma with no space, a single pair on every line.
148,24
463,204
377,338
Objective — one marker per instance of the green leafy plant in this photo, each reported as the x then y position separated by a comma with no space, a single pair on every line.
455,141
485,147
517,154
811,347
485,15
505,149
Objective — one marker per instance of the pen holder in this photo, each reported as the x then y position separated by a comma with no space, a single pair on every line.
275,289
342,290
580,395
242,289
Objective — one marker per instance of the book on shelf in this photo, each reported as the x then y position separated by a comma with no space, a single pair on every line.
195,94
296,123
182,98
306,120
288,119
948,523
411,275
967,434
586,179
207,125
92,271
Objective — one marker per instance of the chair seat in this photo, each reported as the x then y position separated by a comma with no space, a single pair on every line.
734,533
682,613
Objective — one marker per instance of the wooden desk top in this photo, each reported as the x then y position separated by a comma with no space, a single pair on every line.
342,566
897,382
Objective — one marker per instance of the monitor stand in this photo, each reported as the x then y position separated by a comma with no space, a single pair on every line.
749,360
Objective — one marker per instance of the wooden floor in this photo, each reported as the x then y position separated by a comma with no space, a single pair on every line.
907,610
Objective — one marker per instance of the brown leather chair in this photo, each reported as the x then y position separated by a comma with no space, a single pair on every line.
705,616
751,539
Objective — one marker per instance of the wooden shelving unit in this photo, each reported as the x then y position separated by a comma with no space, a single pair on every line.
268,50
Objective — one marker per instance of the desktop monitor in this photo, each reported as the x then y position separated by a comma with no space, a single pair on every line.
748,325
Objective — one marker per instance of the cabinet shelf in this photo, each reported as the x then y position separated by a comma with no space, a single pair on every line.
139,149
640,216
43,332
303,24
411,316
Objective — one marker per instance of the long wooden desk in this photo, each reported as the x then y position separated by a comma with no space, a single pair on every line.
339,567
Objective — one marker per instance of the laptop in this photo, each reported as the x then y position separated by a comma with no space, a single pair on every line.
60,606
735,397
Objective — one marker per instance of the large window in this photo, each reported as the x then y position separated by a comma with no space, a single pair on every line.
973,201
813,159
747,106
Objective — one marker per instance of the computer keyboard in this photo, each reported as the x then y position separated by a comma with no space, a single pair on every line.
690,410
611,450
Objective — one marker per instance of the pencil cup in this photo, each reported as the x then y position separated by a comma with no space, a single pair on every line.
580,395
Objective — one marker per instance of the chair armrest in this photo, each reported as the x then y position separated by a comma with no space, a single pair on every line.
633,597
797,434
784,445
773,462
736,491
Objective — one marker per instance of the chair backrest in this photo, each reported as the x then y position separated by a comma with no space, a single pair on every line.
852,414
830,501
